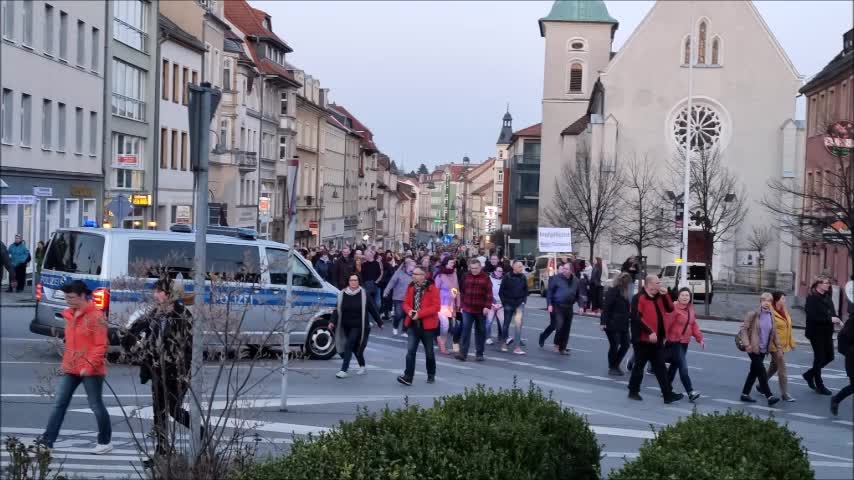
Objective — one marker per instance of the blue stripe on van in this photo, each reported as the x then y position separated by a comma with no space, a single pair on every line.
238,296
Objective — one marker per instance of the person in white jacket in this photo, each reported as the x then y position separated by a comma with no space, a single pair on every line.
496,311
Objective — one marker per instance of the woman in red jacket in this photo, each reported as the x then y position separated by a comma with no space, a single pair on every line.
84,361
679,332
421,305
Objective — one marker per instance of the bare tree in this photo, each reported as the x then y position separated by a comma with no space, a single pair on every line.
587,197
759,240
718,201
823,209
642,222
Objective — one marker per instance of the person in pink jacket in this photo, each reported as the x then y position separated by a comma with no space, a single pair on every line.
682,327
449,292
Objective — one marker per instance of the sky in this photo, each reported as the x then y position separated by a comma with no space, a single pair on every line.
432,79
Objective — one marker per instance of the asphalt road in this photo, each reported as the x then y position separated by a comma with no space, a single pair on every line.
317,400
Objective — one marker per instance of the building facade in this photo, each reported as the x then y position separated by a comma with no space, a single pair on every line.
830,100
521,197
51,137
310,142
635,103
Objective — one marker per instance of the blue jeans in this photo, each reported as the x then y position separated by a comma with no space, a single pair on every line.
679,362
426,338
67,385
479,321
508,319
398,313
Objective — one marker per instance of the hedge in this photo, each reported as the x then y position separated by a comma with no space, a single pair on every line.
480,434
729,446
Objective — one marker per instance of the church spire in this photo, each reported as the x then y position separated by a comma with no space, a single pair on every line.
506,128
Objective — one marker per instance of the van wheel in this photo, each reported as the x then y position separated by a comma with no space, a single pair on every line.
321,341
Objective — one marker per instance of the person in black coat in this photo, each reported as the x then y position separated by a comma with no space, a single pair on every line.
615,322
351,324
343,266
821,317
161,342
846,348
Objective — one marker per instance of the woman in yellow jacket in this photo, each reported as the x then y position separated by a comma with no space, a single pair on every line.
786,339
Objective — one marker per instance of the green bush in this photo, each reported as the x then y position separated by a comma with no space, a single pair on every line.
730,446
480,434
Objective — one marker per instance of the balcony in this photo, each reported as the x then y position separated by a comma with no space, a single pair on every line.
288,124
246,161
527,159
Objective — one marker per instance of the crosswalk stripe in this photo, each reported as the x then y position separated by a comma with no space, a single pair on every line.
596,377
104,458
844,422
767,409
807,415
570,372
85,466
543,367
724,400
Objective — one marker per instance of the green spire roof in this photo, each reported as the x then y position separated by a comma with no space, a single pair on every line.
583,11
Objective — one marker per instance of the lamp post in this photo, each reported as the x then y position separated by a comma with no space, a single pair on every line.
466,163
689,132
322,202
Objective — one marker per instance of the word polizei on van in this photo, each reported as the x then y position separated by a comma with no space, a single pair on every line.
120,267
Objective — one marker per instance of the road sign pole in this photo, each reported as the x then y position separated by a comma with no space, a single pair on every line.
293,171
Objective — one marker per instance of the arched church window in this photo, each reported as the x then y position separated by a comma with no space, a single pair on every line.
701,45
576,75
702,128
716,51
686,54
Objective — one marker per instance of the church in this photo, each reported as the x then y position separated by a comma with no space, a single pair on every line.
633,103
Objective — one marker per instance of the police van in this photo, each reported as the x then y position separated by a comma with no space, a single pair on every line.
246,281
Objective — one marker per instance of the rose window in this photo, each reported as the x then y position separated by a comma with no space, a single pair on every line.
703,131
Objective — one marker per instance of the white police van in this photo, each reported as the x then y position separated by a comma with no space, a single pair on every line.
249,277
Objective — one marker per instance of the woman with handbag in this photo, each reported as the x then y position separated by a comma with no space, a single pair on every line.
786,339
757,336
679,333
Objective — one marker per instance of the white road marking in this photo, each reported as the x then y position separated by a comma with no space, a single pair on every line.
767,409
622,432
19,362
72,456
626,455
807,415
596,377
824,455
524,364
570,372
33,340
612,414
730,402
680,410
543,367
561,387
622,382
832,464
844,422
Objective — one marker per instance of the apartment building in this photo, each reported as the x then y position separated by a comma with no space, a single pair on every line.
310,143
52,134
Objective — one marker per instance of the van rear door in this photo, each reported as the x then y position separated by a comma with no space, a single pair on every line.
72,255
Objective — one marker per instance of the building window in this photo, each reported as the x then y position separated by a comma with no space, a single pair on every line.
164,80
93,133
127,155
78,125
284,102
226,74
283,147
185,94
48,29
7,115
27,23
716,51
63,121
223,134
128,91
576,76
686,51
71,213
701,45
175,82
164,144
9,20
96,40
130,23
500,176
124,178
26,119
47,120
81,43
705,131
89,210
63,35
184,151
499,199
173,154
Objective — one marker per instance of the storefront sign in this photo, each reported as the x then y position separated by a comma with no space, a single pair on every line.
839,139
80,191
127,160
312,224
490,212
43,191
141,199
182,214
554,240
17,199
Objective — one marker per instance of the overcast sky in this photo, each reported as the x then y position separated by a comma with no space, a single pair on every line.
431,79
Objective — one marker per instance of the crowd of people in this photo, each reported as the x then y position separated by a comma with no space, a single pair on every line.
439,297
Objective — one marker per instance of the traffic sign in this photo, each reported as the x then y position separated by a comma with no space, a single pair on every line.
120,207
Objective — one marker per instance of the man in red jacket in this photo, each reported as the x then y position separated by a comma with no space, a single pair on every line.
477,299
421,304
649,321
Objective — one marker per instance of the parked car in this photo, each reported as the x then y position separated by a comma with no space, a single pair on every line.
672,272
250,276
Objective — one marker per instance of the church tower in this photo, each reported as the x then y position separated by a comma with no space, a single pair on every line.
578,35
500,177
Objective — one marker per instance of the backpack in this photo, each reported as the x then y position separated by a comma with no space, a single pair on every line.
739,341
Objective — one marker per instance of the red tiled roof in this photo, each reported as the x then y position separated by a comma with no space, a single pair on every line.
532,131
250,20
577,127
359,128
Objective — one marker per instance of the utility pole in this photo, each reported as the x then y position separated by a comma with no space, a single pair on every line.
293,171
203,103
689,132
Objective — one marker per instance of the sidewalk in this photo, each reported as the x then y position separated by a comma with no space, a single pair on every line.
17,299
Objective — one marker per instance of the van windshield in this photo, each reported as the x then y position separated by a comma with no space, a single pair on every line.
696,272
75,252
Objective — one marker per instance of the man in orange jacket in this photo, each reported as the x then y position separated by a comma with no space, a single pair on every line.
84,361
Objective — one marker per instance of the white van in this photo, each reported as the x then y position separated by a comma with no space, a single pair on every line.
671,273
120,267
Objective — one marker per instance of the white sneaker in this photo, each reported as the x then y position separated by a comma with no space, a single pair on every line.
489,341
404,335
102,449
362,370
394,332
342,374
